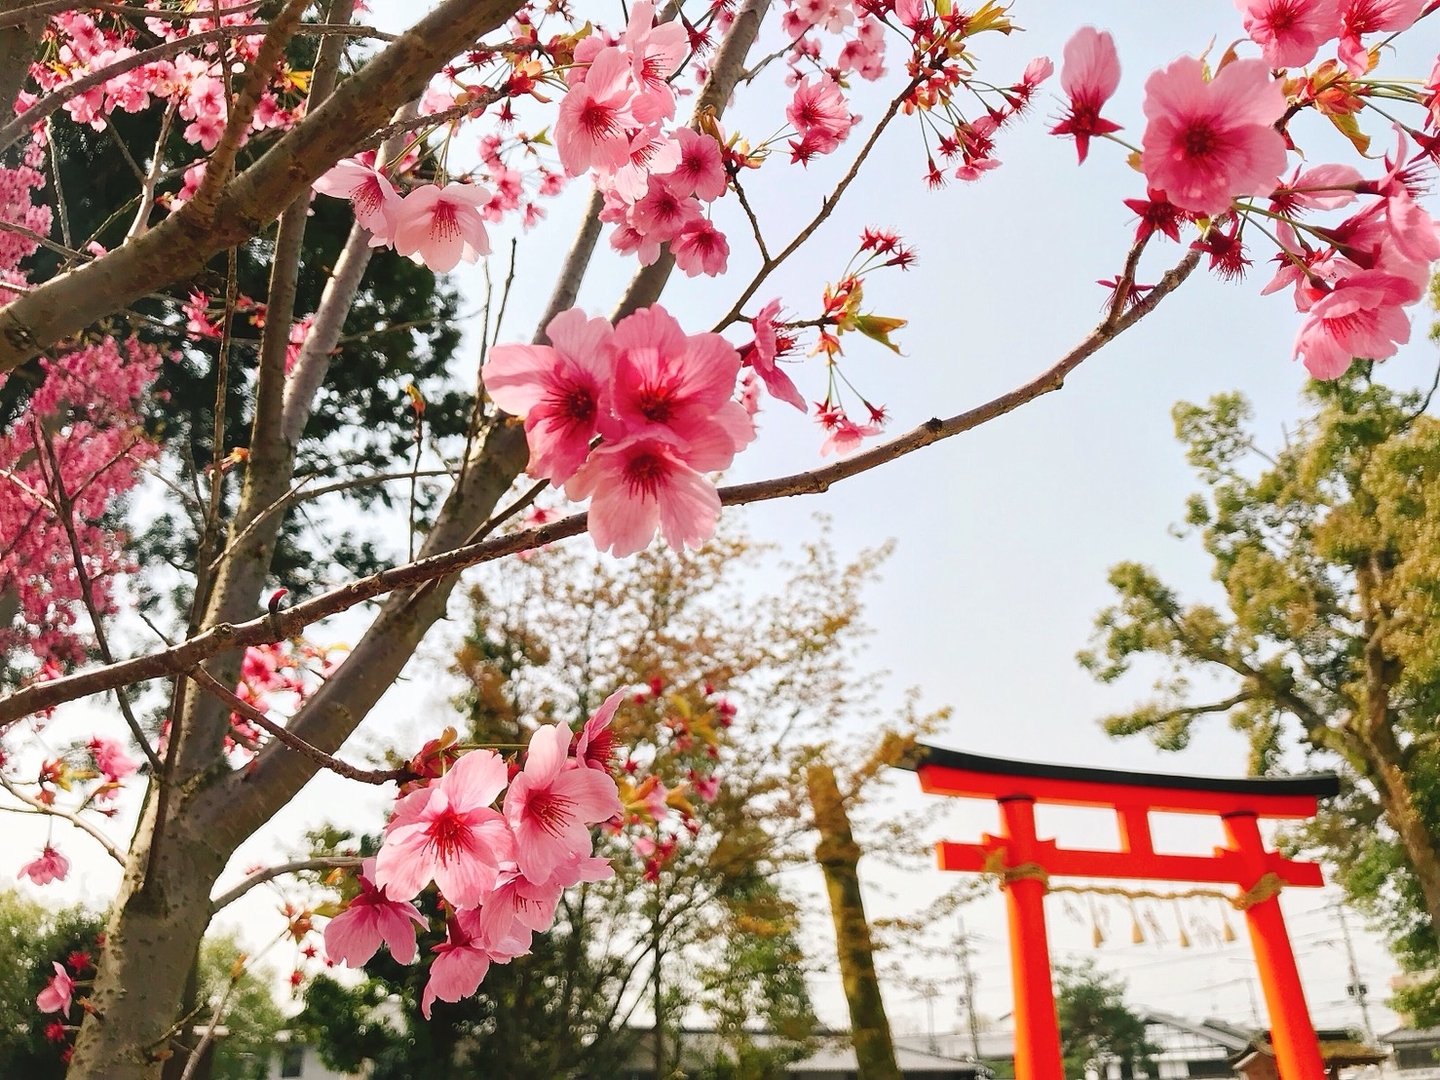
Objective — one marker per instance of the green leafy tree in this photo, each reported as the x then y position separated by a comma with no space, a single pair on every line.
251,1016
1328,551
1095,1026
33,937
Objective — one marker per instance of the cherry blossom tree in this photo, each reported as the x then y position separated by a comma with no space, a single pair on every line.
231,715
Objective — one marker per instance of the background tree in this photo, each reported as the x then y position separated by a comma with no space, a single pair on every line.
1327,553
1096,1028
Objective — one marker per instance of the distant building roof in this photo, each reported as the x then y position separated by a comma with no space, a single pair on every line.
838,1056
1406,1036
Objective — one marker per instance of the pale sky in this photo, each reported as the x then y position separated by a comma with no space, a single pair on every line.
1004,534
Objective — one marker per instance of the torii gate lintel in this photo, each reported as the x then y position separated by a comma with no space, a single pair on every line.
1025,863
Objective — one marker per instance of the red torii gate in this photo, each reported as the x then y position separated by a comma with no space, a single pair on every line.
1025,864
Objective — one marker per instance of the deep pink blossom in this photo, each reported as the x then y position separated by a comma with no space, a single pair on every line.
639,484
1089,74
701,249
677,387
819,109
1361,318
441,226
519,908
655,53
1206,143
1360,17
354,936
50,866
458,969
701,169
763,353
561,390
1290,32
58,992
551,807
448,833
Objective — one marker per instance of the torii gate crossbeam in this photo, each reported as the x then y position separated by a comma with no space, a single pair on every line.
1025,863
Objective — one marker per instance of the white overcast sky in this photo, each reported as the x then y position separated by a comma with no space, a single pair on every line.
1004,534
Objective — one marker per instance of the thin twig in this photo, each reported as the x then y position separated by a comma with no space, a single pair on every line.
322,862
147,187
22,15
64,815
212,685
65,511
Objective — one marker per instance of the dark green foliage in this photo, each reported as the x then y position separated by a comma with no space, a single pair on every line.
1095,1025
32,938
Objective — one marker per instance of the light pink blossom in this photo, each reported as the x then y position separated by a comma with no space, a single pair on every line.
561,390
354,936
451,836
1290,32
592,129
111,759
551,807
763,353
595,744
820,114
58,992
372,196
441,226
701,169
50,866
1206,143
1362,318
701,249
639,484
458,969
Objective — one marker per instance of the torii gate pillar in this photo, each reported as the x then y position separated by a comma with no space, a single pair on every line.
1026,863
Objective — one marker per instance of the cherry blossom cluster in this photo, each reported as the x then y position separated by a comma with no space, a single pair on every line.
661,404
283,674
499,872
80,448
1216,146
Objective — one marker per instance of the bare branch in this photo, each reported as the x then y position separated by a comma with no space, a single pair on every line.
37,807
214,686
293,620
323,862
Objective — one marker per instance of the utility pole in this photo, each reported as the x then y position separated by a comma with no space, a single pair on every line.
1357,989
964,942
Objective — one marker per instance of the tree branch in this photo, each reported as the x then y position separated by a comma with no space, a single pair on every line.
324,862
293,620
64,815
183,243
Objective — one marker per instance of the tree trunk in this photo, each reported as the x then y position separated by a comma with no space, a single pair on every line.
150,947
839,856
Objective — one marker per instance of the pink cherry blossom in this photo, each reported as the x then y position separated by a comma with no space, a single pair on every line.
58,992
701,169
50,866
595,744
519,908
1362,318
592,129
655,53
111,759
865,53
441,226
1290,32
1089,74
451,836
762,357
1206,143
701,249
561,390
819,113
459,968
354,936
676,387
639,484
1360,17
551,807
